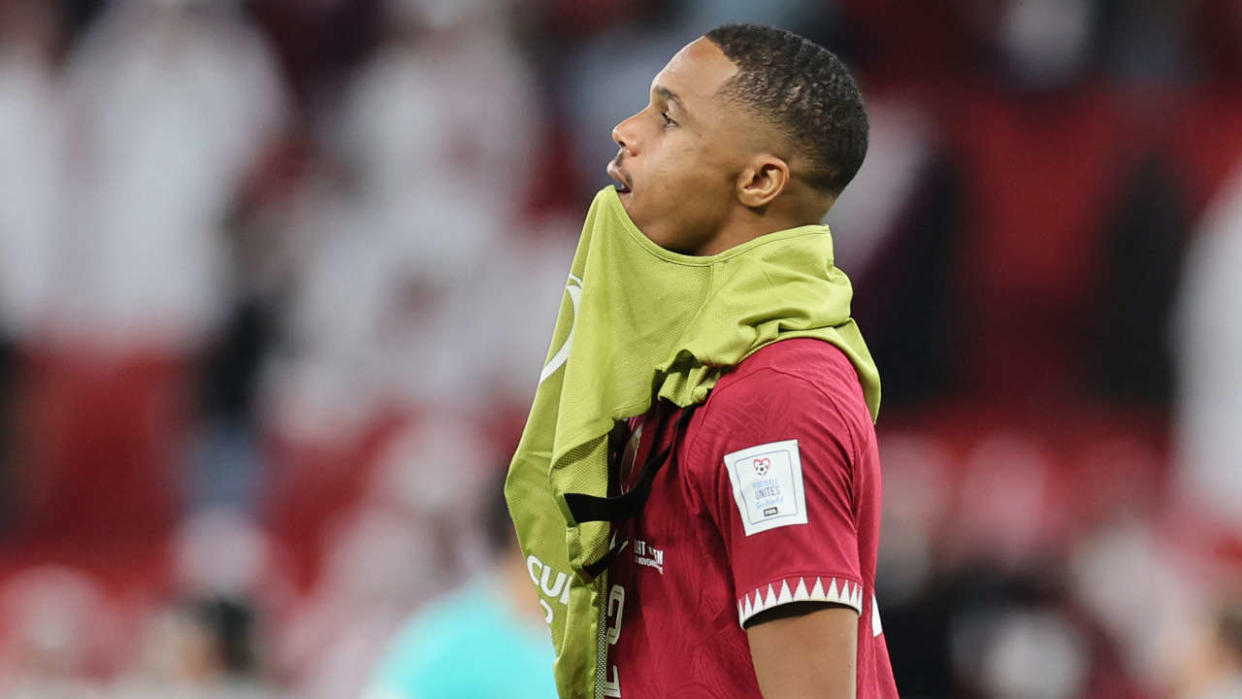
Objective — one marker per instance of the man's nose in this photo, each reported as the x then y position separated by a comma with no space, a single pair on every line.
626,136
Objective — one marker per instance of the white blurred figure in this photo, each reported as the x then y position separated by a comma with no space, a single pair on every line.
173,104
220,552
1137,582
60,634
438,131
33,152
445,107
899,153
382,316
374,567
1033,653
1046,45
178,99
1139,590
1004,500
205,642
1207,341
415,537
434,473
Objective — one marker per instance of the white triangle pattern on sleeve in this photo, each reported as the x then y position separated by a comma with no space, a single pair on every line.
784,597
839,591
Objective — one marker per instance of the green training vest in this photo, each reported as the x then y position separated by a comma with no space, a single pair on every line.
636,322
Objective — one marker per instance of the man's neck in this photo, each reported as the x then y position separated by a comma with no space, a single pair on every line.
744,225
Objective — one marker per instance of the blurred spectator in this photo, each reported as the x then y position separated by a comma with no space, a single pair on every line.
1209,336
1003,502
221,553
206,641
410,538
33,150
375,567
408,130
1031,653
33,165
412,286
1121,574
198,648
178,101
397,244
174,104
59,633
487,639
1045,45
1215,666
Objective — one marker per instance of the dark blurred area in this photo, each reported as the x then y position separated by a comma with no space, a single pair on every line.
277,277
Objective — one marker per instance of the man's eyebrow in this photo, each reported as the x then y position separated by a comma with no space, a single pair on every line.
668,95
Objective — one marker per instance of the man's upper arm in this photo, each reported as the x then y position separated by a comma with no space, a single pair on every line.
777,478
805,650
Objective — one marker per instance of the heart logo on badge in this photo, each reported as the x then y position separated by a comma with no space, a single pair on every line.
762,466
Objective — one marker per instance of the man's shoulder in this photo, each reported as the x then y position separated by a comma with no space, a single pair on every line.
799,389
800,368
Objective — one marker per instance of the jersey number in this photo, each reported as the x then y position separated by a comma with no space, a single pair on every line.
616,599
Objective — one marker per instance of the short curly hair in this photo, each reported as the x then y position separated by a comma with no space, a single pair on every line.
804,91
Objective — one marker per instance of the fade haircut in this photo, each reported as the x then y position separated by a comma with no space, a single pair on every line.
804,91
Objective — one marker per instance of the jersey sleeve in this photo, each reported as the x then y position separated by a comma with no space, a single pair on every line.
773,464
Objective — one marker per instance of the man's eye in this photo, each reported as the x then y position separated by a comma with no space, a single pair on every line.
668,120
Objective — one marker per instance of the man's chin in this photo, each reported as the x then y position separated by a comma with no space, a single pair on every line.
632,210
636,217
627,201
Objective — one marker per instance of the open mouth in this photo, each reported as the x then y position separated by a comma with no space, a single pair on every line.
623,180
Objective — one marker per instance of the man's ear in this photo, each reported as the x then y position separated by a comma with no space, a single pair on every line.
762,181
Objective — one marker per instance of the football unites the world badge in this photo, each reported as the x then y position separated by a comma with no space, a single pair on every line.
767,485
761,466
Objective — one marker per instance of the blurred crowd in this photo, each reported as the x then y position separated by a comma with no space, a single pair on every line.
276,279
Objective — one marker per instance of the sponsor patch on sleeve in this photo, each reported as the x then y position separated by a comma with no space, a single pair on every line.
767,485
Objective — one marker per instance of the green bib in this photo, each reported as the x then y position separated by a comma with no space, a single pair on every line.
639,321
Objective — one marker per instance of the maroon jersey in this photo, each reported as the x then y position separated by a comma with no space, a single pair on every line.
774,497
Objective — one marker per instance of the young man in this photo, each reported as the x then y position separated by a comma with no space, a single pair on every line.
743,494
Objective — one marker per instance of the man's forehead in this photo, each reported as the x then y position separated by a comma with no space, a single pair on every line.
696,72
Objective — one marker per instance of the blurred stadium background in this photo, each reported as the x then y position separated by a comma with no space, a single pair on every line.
276,278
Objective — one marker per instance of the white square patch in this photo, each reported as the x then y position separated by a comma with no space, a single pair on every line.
767,485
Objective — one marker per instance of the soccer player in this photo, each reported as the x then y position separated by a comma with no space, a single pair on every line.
752,130
746,565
